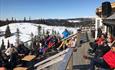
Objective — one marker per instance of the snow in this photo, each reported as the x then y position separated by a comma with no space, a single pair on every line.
74,21
27,28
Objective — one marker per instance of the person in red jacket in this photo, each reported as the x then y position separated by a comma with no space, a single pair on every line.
100,40
109,57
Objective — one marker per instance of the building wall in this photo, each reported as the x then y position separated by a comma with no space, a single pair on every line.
99,24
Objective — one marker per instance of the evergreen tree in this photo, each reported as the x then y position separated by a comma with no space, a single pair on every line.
17,37
58,33
32,40
31,36
53,33
12,19
8,44
7,20
43,32
24,18
2,45
47,32
7,32
29,18
39,30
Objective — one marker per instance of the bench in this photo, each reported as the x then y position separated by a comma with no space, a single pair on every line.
20,68
28,58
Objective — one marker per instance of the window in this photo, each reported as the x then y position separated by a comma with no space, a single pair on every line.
113,31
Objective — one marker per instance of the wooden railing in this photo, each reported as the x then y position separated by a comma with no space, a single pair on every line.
60,61
61,58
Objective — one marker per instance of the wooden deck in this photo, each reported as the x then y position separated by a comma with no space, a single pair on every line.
79,63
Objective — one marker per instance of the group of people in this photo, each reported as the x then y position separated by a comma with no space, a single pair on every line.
103,52
12,56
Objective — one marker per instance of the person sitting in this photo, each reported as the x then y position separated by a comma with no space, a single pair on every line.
3,60
11,52
98,42
97,59
104,60
40,51
109,57
65,33
22,50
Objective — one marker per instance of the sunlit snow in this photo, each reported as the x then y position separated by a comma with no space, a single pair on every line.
27,28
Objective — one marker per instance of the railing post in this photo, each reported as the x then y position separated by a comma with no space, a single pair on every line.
70,63
78,39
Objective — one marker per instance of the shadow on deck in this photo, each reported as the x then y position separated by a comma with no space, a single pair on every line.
79,63
81,67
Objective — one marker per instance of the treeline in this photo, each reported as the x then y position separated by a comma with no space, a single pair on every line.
54,22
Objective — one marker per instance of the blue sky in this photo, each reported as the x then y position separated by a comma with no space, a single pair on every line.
48,8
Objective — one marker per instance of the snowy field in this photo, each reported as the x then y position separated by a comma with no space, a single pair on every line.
27,28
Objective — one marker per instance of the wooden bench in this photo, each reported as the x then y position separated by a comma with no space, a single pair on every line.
20,68
28,58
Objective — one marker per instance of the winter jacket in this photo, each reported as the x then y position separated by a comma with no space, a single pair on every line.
109,58
65,34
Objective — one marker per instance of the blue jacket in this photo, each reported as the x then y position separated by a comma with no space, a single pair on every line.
65,34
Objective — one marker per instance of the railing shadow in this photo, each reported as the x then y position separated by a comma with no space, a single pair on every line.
81,67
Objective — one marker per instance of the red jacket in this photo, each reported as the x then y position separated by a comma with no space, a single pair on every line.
109,58
100,41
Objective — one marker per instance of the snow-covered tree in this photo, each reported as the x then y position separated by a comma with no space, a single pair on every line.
7,32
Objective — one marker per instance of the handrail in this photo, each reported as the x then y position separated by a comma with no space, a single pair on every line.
52,57
66,53
62,57
64,63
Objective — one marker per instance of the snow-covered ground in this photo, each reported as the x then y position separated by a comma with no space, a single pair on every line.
27,28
